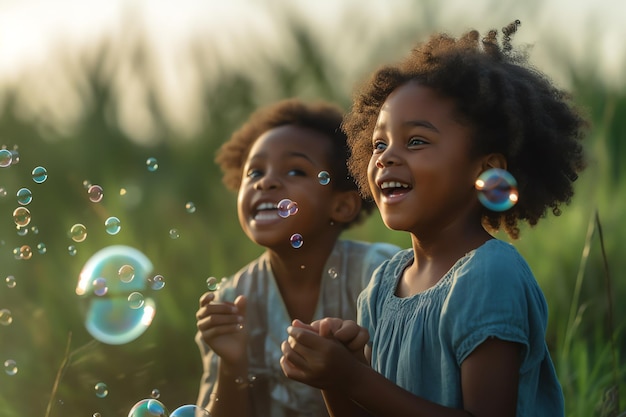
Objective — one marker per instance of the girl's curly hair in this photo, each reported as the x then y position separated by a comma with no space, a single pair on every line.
513,108
322,117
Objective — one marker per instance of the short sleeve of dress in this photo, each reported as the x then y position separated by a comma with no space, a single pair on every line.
494,294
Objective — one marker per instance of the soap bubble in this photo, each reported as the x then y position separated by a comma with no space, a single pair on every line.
190,411
323,177
78,232
109,318
212,284
174,234
6,317
296,240
150,407
497,189
6,157
287,208
190,207
152,164
10,281
101,390
39,175
112,225
10,367
95,193
21,216
24,196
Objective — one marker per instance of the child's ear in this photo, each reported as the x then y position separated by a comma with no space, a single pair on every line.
346,206
492,160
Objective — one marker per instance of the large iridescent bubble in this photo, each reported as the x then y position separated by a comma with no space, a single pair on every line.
190,410
148,407
109,316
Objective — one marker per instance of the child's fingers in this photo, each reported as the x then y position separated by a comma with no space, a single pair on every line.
302,325
206,298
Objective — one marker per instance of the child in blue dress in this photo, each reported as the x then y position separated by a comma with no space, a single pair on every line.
454,326
292,150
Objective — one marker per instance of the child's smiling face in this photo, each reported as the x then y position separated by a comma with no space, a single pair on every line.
421,174
285,162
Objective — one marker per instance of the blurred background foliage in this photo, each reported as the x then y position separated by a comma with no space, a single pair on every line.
577,257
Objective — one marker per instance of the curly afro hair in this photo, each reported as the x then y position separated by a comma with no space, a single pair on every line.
514,109
319,116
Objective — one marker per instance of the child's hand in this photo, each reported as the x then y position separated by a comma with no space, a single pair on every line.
322,362
348,332
222,327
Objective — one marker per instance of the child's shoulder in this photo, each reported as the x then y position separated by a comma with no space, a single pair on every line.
499,260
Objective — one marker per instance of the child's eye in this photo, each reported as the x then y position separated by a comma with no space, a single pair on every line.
296,173
416,141
253,173
379,146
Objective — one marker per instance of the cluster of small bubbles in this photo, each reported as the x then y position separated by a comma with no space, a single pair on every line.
190,207
112,319
10,367
497,189
112,225
150,407
10,281
24,196
212,283
156,282
332,272
3,192
40,174
78,232
135,300
152,164
41,248
323,177
155,393
100,287
190,410
6,317
71,249
95,193
174,234
21,216
102,390
126,273
296,240
6,158
287,208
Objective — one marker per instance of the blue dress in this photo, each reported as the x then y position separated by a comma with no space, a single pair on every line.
419,342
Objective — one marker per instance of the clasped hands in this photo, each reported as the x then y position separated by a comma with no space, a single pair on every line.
323,354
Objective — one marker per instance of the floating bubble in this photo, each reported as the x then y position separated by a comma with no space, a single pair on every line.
10,281
156,282
24,196
110,319
296,240
6,157
126,273
10,367
41,248
71,249
135,300
21,216
287,208
22,231
152,164
100,287
323,177
190,411
96,415
101,390
174,234
155,393
26,252
332,272
497,189
190,207
86,184
78,232
35,230
40,174
6,317
150,407
15,156
95,193
112,225
212,284
3,192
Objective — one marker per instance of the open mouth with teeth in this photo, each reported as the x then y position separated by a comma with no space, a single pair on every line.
394,188
265,211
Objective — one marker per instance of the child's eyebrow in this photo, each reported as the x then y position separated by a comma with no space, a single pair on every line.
422,123
300,155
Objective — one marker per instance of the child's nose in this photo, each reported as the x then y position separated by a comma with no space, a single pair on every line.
267,182
387,158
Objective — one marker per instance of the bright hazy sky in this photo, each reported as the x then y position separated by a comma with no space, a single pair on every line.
32,31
